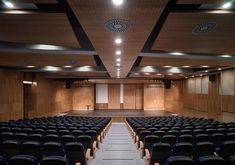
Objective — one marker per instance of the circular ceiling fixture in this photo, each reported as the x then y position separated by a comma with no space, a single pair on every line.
204,27
118,25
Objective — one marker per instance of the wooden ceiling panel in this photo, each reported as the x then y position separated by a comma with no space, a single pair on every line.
176,34
20,60
38,28
94,14
176,62
199,1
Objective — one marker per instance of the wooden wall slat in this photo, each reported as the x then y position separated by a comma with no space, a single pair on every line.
114,96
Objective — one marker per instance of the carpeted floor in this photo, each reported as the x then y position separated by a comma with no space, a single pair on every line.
118,148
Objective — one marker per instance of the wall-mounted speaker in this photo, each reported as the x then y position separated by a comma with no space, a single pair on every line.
167,83
68,84
212,77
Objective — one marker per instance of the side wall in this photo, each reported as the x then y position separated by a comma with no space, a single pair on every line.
11,97
211,99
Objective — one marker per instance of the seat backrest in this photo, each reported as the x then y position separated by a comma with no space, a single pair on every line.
3,160
179,160
227,149
52,149
54,160
204,149
210,160
86,141
10,148
171,139
23,160
32,148
160,152
75,152
67,138
185,138
51,138
150,140
183,149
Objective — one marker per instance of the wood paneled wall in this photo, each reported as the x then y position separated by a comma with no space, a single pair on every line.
153,97
83,96
133,96
11,97
173,100
47,98
114,96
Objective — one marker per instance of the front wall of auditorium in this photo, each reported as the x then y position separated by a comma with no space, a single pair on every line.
197,96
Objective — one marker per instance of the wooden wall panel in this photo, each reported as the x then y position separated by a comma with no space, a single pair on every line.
11,97
153,97
47,98
101,106
173,97
83,96
114,96
139,97
129,96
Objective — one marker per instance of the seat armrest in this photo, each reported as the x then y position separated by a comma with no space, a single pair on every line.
88,154
141,149
147,154
94,149
77,163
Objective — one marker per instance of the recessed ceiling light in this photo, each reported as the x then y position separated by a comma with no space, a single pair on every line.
118,64
205,66
117,2
68,66
147,73
159,74
219,68
136,74
118,59
226,56
118,69
8,4
167,66
206,71
186,66
192,76
46,47
51,68
177,53
170,74
226,5
118,41
201,75
118,52
30,66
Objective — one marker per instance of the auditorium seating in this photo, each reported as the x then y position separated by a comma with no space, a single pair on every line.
174,138
51,140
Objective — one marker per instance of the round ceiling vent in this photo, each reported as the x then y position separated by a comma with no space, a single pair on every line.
118,25
204,27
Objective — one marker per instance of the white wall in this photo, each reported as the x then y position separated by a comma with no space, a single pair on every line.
101,93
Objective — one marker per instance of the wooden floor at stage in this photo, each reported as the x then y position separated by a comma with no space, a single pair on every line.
117,113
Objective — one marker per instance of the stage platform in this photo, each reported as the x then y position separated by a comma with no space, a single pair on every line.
118,115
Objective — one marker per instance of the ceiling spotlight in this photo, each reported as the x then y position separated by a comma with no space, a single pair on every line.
68,66
118,60
118,69
206,71
118,64
186,66
201,75
192,76
30,66
205,66
219,68
227,5
167,66
226,56
118,41
117,2
177,53
8,4
170,74
118,52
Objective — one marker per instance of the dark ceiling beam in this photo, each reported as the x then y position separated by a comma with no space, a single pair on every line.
151,69
13,47
58,69
158,26
202,56
77,28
